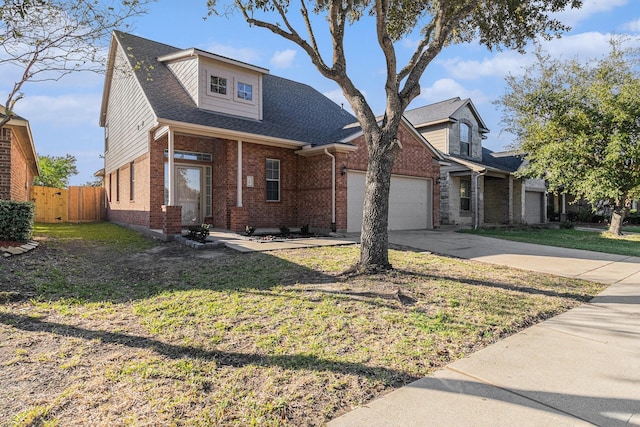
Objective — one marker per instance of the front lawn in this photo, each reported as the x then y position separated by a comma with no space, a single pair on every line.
121,330
629,244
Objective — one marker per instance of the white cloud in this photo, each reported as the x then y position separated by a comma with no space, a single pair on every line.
283,58
572,17
240,54
61,111
633,26
449,88
496,66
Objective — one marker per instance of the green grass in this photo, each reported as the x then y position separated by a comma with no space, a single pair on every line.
575,239
121,329
99,233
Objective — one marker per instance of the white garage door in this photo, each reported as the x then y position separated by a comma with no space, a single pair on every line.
533,207
410,202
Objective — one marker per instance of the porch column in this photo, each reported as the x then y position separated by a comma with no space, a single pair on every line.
239,177
172,172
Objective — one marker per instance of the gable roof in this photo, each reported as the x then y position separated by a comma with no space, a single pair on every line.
505,162
20,126
291,111
442,112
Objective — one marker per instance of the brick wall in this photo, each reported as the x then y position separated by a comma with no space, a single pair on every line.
124,209
5,164
496,200
305,183
414,159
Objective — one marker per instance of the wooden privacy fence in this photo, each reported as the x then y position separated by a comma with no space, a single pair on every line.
75,204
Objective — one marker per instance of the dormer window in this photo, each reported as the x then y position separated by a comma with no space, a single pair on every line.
465,139
245,91
218,85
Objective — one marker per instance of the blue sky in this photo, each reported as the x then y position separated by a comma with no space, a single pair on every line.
64,114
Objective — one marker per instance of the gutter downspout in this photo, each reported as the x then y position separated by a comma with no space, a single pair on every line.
476,187
333,189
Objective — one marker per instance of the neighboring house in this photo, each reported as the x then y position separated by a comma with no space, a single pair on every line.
18,159
191,136
478,187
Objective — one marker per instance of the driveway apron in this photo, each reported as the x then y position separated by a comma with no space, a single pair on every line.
579,368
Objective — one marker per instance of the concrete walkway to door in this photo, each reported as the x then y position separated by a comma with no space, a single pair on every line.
579,368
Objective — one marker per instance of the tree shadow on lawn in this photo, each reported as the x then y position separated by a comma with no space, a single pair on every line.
233,359
504,286
99,275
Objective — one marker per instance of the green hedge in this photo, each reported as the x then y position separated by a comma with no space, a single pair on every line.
16,220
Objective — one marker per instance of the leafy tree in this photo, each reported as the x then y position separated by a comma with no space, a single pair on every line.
55,171
48,39
493,23
578,123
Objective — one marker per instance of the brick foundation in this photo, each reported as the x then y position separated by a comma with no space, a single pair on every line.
172,219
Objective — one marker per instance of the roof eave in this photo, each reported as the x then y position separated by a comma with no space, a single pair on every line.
314,150
214,132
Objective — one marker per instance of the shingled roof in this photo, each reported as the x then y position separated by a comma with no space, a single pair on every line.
291,110
441,112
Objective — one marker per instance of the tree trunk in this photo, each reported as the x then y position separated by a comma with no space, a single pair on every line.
374,237
617,218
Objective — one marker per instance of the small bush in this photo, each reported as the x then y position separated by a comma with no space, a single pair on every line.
284,230
16,220
249,230
567,225
304,230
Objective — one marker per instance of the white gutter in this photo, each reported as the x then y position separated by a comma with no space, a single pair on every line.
477,212
333,188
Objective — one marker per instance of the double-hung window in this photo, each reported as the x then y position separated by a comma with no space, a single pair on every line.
273,180
132,181
465,139
465,193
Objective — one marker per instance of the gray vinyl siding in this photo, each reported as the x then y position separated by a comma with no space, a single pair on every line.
129,117
187,73
229,104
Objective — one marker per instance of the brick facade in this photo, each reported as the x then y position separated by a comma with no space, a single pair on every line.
16,174
305,183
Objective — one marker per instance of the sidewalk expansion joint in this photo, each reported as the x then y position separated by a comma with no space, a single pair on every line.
523,396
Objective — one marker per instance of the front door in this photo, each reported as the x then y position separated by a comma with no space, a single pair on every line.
189,193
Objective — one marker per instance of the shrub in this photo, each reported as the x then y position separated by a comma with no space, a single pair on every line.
567,225
16,220
284,230
304,230
249,230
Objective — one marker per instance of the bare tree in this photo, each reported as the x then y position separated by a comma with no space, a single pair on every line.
493,23
48,39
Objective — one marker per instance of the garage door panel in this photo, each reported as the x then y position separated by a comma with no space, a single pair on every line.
409,202
533,206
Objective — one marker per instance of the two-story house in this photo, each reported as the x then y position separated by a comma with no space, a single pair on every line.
18,159
478,186
191,136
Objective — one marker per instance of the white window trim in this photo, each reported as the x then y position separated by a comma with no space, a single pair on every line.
237,82
278,180
230,84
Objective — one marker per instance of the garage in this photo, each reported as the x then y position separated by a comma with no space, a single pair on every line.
533,207
410,202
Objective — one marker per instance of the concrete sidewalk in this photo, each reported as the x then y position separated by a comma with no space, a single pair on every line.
578,368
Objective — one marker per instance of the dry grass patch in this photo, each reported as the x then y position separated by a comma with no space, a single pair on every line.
170,335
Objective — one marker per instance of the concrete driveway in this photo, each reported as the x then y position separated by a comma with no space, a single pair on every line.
579,368
594,266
